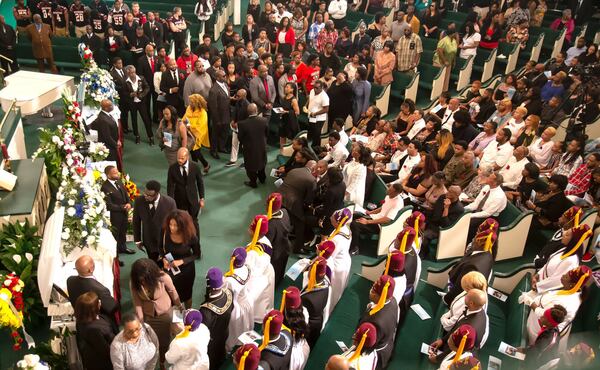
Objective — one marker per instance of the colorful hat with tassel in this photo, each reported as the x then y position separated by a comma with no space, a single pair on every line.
272,324
488,238
214,278
405,239
464,339
316,272
342,217
237,260
259,227
384,286
326,248
273,204
580,234
191,320
365,338
247,357
489,224
290,298
572,216
578,276
395,263
416,220
466,363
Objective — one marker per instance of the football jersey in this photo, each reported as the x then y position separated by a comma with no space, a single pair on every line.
99,23
45,11
22,11
117,18
59,16
78,15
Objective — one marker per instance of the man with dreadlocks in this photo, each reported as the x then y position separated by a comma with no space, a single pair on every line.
362,354
461,342
295,317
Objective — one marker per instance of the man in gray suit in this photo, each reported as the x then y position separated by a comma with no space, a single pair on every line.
263,91
298,189
219,108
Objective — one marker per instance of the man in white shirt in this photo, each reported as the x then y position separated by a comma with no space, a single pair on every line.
499,151
370,222
412,159
338,126
282,13
318,106
448,117
337,11
337,152
512,171
576,50
418,125
489,203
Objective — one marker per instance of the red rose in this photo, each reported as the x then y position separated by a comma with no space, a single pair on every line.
508,167
16,347
14,334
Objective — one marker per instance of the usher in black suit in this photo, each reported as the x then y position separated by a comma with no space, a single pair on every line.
116,199
108,133
138,106
147,223
77,285
169,82
186,187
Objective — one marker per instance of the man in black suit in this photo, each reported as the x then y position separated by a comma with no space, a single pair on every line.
85,282
252,133
92,41
219,108
171,84
136,94
8,42
117,202
147,65
119,77
480,260
149,213
473,315
153,30
185,185
137,43
108,132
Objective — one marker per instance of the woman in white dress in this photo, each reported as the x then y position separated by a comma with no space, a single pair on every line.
568,296
355,174
564,259
236,279
461,342
340,261
362,354
295,317
189,349
471,280
261,286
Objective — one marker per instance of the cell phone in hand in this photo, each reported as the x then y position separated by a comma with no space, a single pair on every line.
174,269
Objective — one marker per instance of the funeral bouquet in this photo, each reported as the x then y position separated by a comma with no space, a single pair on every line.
98,83
97,151
132,189
32,362
11,307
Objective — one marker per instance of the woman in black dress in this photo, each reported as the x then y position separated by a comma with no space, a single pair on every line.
289,118
179,249
341,96
94,333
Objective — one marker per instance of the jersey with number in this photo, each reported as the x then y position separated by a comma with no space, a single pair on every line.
22,11
117,18
58,13
140,18
176,21
78,15
45,11
99,23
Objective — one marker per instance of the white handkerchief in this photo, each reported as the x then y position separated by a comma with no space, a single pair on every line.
420,311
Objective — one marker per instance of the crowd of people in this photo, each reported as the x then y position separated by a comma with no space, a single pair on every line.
296,65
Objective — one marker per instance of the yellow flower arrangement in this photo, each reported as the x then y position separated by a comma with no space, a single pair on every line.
7,317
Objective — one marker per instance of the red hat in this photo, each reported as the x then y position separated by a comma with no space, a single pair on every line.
316,271
489,224
416,220
580,234
466,363
465,331
371,335
407,235
582,273
264,225
275,319
487,237
572,216
290,298
326,248
273,203
395,262
380,284
247,357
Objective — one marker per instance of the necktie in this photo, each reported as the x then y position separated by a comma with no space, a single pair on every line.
266,85
121,73
175,78
184,173
151,60
152,210
483,200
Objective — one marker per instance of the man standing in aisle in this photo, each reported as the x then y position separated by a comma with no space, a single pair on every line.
40,33
171,84
252,134
108,131
262,91
117,203
185,185
219,108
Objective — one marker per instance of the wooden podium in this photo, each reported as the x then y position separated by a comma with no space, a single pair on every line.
30,198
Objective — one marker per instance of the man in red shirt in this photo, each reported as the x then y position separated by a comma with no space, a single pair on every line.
186,60
307,74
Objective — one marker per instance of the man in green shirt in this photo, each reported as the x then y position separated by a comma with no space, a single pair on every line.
445,54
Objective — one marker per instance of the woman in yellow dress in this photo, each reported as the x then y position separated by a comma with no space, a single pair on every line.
196,119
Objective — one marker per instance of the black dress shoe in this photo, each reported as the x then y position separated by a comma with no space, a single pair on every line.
121,263
137,139
252,185
262,181
206,169
126,251
151,141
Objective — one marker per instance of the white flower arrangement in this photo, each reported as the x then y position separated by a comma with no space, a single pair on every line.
98,82
31,362
97,152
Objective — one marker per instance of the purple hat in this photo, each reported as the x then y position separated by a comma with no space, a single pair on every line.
240,257
341,213
192,318
214,278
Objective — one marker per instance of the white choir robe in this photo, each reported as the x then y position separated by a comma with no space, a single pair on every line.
570,302
300,349
340,263
261,287
447,361
550,274
364,362
191,352
242,316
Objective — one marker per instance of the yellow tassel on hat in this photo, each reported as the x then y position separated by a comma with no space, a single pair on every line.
488,243
186,331
255,236
577,286
403,243
417,233
270,208
461,347
338,228
579,243
387,264
359,348
231,267
382,299
576,224
266,330
282,306
312,277
242,363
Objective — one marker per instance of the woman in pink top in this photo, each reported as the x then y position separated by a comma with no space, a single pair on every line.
154,296
566,21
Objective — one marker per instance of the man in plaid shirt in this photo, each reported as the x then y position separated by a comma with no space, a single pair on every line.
580,179
315,29
327,34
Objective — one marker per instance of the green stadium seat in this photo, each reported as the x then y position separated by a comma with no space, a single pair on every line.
484,63
402,81
532,48
514,223
552,40
508,64
428,75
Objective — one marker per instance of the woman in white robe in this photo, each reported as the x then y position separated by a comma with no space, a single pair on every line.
236,279
355,175
340,261
189,349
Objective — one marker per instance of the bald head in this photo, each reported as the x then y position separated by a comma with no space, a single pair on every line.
337,362
106,105
182,155
453,193
85,266
252,109
475,299
311,165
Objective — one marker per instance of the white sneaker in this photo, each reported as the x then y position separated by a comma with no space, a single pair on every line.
501,56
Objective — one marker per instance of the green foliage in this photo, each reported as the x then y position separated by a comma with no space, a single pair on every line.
54,360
